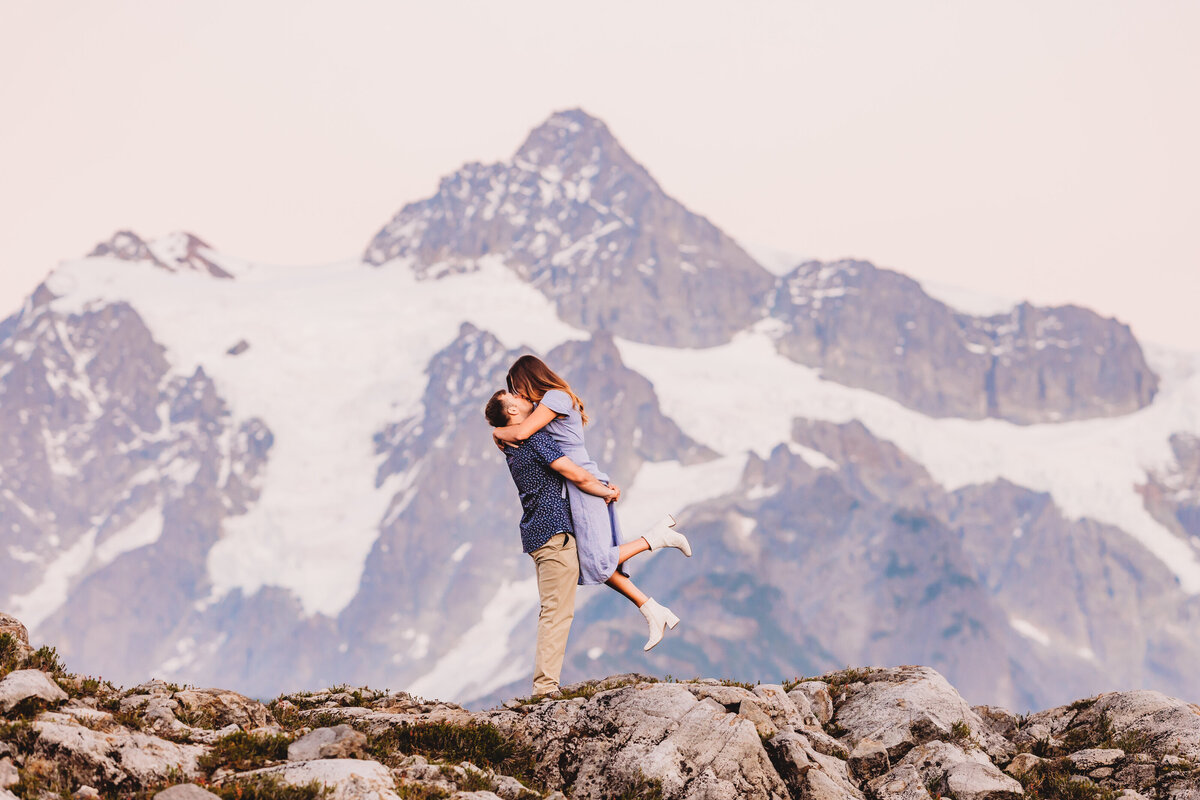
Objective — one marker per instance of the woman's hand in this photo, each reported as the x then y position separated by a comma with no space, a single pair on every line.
615,496
499,442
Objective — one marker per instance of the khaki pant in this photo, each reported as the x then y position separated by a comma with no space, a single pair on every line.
557,564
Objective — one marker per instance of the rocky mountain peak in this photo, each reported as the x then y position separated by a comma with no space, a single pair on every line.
574,143
176,252
576,216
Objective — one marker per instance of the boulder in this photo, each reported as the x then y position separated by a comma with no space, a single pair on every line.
816,695
748,709
8,773
348,778
25,684
14,628
662,731
217,708
114,758
86,793
902,783
974,781
1092,758
340,741
783,710
963,774
1021,764
185,791
1161,724
806,772
902,707
868,759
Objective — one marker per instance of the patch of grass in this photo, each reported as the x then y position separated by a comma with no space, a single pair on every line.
740,684
639,788
477,742
129,719
1042,748
196,718
242,751
19,734
1082,705
960,733
42,777
420,791
269,787
466,779
1051,780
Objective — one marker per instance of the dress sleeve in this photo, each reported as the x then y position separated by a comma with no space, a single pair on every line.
545,447
557,401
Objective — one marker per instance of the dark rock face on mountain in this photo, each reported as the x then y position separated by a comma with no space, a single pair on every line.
1172,496
178,253
135,468
898,732
878,330
583,222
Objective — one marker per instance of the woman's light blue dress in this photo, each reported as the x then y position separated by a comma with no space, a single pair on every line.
597,531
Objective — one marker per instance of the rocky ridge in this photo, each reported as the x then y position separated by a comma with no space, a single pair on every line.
900,733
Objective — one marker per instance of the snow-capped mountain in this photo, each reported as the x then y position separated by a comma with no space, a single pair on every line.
269,477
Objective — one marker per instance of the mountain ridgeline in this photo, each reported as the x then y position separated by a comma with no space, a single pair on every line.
140,436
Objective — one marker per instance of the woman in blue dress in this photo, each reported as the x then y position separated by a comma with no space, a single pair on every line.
597,530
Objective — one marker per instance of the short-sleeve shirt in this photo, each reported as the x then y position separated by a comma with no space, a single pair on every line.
543,501
567,430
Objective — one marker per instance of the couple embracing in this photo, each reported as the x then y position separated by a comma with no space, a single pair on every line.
568,526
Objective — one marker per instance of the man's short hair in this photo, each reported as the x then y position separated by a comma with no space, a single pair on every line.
494,410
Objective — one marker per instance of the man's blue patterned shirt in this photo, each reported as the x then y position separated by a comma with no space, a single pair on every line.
543,497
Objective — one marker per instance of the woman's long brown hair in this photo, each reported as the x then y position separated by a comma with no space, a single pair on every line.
529,376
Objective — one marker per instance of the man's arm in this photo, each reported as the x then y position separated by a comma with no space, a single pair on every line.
585,480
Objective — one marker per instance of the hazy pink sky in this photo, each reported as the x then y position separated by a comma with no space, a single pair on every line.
1040,150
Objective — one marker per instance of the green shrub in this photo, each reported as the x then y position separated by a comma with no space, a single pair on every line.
269,787
242,751
478,742
420,791
1051,780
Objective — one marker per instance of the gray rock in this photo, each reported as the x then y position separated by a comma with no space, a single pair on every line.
868,759
114,757
748,709
185,791
974,781
808,773
1090,759
901,783
816,695
219,708
86,793
1022,763
24,684
14,628
349,778
5,794
340,741
785,713
9,774
902,707
965,774
660,731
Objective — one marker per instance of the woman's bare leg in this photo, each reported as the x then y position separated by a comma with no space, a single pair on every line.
625,586
631,549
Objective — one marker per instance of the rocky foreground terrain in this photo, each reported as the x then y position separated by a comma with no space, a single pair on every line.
901,733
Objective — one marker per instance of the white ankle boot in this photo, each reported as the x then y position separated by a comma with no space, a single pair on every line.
659,618
664,535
